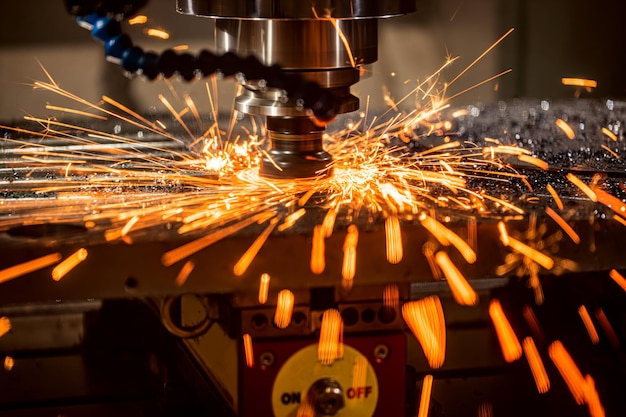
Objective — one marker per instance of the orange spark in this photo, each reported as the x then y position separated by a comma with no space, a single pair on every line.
536,365
592,398
509,343
607,328
28,267
566,128
609,134
318,260
184,273
246,259
555,196
328,224
533,323
264,288
447,237
330,345
68,264
248,351
138,20
531,253
462,291
568,370
77,112
569,231
618,278
393,240
284,309
609,150
359,371
427,387
426,320
9,362
591,329
171,257
348,267
5,325
609,200
534,161
158,33
579,82
291,219
582,186
391,300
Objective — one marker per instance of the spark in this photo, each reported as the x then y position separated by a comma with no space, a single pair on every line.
582,186
284,309
246,259
540,258
607,328
184,273
248,351
612,202
138,20
447,237
609,134
591,329
318,260
579,82
566,128
330,345
69,263
264,287
536,365
426,320
555,196
9,363
533,323
291,219
391,301
27,267
533,161
5,325
158,33
568,370
509,343
427,386
393,240
348,266
569,231
462,291
618,278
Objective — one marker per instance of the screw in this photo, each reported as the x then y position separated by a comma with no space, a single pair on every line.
267,359
381,352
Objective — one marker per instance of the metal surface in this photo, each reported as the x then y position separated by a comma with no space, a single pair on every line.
287,9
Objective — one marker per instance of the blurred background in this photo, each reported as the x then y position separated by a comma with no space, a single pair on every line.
551,40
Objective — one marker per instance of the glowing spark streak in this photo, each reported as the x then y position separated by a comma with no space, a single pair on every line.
176,115
428,250
5,325
568,370
348,266
592,399
564,225
504,203
359,372
138,20
509,343
427,387
426,320
68,264
291,219
533,254
534,161
181,47
609,150
533,323
557,199
618,278
536,365
184,273
341,35
582,186
459,75
493,77
129,225
191,105
393,240
612,202
248,351
447,237
246,259
264,287
284,309
77,112
607,328
579,82
504,235
318,260
127,110
609,134
328,224
566,128
9,363
462,291
171,257
391,299
329,347
158,33
591,329
28,267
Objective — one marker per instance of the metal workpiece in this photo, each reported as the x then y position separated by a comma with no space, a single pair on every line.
288,9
